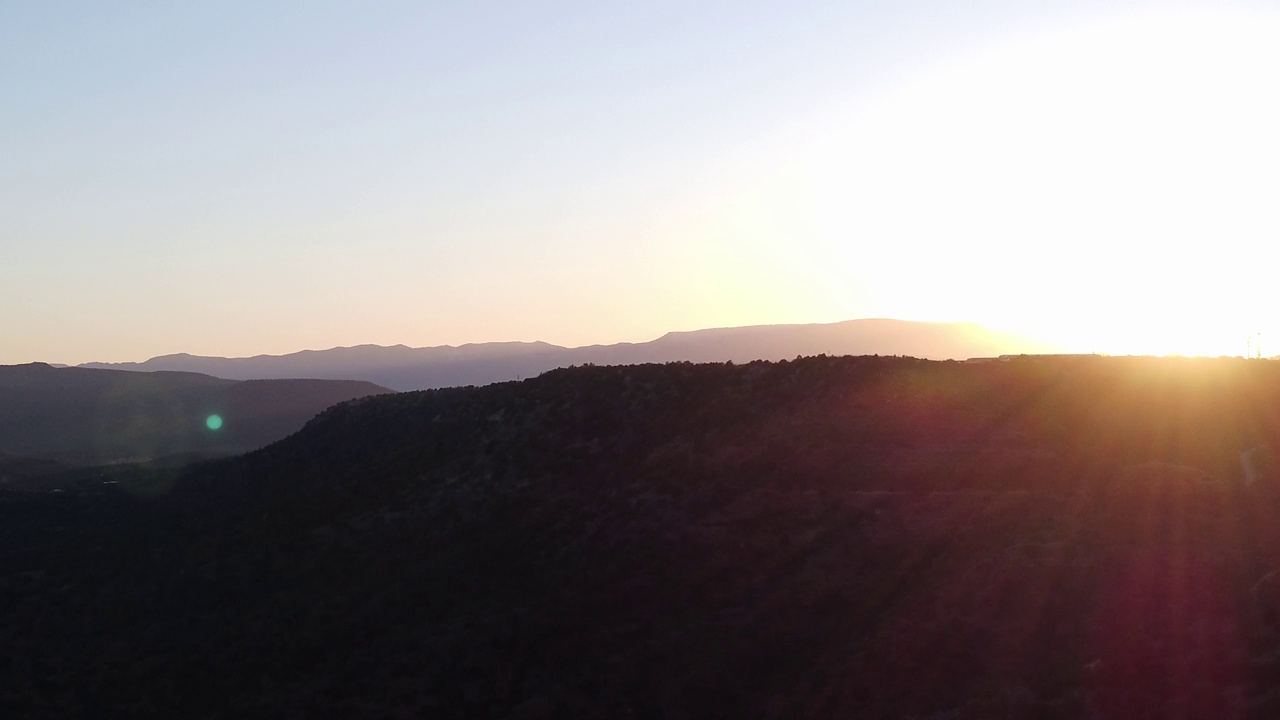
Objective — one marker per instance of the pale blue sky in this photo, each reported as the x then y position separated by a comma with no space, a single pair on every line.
228,178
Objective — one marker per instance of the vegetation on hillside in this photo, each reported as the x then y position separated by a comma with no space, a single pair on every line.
828,537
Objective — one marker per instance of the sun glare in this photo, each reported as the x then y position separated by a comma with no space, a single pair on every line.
1110,186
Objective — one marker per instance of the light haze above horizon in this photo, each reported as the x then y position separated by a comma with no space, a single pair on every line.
232,179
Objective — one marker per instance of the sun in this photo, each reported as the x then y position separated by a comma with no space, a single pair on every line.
1111,186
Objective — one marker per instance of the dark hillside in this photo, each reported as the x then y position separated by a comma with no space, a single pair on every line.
824,538
87,416
19,470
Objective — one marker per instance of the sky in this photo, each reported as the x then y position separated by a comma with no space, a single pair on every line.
238,178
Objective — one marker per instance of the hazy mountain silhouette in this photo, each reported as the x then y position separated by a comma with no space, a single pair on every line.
404,368
822,538
89,416
17,470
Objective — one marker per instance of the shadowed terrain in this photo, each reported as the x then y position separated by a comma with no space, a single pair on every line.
824,538
88,416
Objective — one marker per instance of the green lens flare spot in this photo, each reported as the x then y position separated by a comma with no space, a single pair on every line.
213,422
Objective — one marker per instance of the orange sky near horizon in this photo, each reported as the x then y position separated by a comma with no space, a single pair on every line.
1101,176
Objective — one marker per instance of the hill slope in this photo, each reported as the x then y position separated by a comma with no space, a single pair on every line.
404,368
824,538
90,416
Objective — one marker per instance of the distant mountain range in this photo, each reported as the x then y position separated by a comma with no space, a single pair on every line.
405,368
92,416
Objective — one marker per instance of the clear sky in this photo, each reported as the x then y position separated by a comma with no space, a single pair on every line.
234,178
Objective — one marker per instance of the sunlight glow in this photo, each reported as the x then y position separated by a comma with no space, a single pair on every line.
1111,186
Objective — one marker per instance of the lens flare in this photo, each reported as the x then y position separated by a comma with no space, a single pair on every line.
213,422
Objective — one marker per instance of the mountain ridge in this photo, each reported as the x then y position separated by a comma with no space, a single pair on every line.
404,368
95,416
